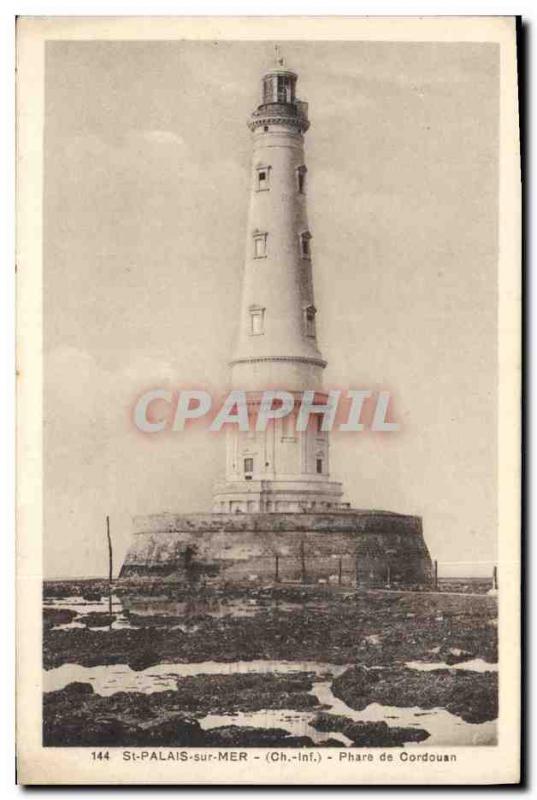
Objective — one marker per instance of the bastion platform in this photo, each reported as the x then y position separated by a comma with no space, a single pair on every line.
349,548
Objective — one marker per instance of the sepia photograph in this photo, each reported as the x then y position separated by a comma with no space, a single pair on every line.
279,515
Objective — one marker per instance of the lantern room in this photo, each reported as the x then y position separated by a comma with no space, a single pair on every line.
279,86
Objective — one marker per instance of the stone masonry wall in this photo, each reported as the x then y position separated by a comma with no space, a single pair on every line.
364,548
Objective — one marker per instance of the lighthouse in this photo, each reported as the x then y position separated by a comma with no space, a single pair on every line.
277,516
279,468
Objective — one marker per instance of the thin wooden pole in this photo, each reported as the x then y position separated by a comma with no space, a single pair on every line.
110,569
495,578
110,554
436,574
277,569
340,572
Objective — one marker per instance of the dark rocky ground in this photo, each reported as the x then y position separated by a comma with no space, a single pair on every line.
76,717
469,695
371,629
368,734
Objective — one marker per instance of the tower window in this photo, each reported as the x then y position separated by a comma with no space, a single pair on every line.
309,320
257,320
263,179
260,245
305,247
267,90
301,179
284,89
319,466
248,468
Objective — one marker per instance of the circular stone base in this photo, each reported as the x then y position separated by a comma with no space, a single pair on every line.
351,548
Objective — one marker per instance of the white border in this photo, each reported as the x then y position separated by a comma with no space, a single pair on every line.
29,402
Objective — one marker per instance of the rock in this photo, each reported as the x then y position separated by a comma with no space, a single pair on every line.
245,736
473,696
71,732
58,616
455,656
153,620
368,734
246,692
328,723
143,660
172,731
379,734
97,619
76,717
92,596
72,690
331,743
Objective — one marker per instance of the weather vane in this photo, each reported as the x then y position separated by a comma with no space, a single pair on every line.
279,58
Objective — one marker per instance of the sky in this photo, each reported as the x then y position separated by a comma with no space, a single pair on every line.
147,164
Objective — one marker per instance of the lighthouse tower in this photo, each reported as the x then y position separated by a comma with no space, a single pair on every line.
280,468
277,516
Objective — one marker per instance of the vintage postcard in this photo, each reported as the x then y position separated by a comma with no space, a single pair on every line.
269,275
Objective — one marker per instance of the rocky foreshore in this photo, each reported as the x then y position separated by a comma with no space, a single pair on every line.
373,628
77,717
374,635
